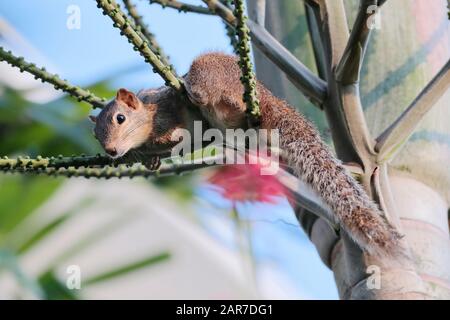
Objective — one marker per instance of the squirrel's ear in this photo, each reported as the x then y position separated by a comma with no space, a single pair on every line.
93,118
127,97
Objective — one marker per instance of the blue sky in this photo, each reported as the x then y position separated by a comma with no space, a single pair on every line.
276,237
97,51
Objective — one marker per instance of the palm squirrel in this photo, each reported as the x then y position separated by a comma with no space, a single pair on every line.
148,120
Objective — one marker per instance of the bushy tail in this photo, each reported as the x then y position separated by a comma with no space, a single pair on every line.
314,163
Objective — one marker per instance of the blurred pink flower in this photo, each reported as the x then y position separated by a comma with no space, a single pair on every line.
244,182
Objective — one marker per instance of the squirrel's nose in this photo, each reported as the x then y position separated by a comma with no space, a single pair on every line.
111,151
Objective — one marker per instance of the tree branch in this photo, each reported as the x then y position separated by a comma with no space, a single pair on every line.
59,162
257,9
181,6
100,166
143,29
111,9
107,172
45,166
395,136
332,26
351,136
346,75
306,81
59,84
307,198
349,67
218,8
74,161
316,39
248,77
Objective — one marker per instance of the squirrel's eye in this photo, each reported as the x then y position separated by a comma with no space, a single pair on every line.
120,118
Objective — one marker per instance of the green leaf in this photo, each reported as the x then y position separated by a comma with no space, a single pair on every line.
120,271
41,233
91,238
19,196
54,289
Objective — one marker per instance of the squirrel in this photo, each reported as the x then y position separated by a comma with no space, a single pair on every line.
147,122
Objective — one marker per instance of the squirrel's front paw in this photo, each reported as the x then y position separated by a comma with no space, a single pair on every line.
153,163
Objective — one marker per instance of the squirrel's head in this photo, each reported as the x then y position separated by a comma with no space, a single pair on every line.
124,124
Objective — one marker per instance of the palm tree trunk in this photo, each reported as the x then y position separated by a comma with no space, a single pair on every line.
412,187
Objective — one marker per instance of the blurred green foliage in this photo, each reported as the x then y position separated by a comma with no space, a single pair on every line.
58,127
26,128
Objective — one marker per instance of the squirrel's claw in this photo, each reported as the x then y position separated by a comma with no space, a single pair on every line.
153,163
